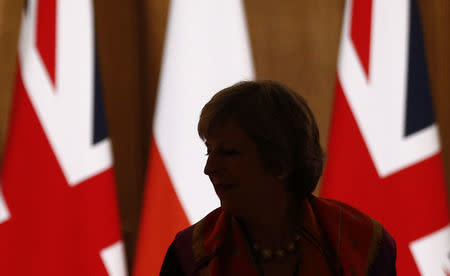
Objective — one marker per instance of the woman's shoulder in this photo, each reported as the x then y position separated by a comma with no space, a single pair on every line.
361,241
201,232
334,214
204,225
193,244
338,212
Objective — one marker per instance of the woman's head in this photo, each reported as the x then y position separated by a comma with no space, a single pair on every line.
281,125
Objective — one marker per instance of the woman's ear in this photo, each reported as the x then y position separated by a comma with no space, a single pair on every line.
283,172
283,176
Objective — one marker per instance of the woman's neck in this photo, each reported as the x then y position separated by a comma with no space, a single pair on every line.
274,226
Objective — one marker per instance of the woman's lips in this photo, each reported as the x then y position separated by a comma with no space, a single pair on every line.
222,188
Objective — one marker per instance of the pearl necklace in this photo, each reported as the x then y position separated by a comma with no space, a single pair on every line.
268,254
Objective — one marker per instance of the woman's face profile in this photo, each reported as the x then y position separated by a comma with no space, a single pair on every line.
236,170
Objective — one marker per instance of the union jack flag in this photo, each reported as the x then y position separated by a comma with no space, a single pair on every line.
58,209
384,151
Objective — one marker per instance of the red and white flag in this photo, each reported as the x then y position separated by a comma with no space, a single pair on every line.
384,153
58,209
206,49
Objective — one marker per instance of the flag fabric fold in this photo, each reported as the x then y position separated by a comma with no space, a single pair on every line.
58,208
384,152
206,49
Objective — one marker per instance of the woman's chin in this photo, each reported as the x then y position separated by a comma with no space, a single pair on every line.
230,208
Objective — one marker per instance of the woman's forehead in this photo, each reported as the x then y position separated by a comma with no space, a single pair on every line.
228,131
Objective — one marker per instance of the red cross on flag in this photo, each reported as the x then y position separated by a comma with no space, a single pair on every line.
58,209
384,154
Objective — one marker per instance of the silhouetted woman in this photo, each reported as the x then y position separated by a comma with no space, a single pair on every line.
264,161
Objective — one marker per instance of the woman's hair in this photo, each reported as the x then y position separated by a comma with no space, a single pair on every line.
279,122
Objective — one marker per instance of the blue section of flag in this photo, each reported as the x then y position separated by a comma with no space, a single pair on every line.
419,112
100,128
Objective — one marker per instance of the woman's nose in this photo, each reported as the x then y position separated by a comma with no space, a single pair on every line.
210,166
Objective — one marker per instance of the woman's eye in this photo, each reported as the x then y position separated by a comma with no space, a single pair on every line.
230,152
223,152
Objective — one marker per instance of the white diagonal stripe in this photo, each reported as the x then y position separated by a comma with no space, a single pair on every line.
4,212
379,103
113,259
431,252
66,109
